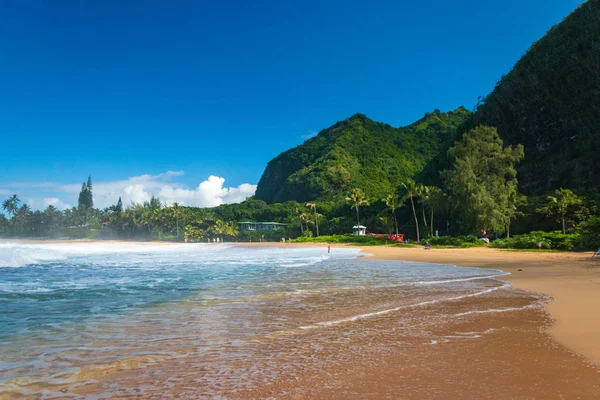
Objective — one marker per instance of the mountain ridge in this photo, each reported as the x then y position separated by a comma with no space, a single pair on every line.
361,152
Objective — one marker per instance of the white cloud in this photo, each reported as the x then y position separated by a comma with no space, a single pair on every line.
137,189
56,202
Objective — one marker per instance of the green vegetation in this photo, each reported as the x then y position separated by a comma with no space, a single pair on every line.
357,198
456,241
548,240
550,103
337,239
358,153
561,205
482,178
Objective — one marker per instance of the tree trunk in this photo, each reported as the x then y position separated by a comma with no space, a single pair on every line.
431,222
316,221
424,218
395,222
177,225
508,230
563,225
357,219
301,227
416,220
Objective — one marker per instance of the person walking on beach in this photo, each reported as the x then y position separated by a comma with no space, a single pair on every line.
328,248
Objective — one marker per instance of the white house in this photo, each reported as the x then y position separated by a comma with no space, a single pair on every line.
359,230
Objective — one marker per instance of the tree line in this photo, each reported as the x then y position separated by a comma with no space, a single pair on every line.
478,195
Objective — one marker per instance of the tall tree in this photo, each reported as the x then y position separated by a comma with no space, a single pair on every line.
175,209
515,201
482,177
422,193
119,206
411,189
560,204
314,207
357,198
436,200
393,202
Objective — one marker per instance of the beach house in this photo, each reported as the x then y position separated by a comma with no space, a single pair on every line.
260,226
359,230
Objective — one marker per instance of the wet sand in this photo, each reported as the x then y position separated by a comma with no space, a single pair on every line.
571,279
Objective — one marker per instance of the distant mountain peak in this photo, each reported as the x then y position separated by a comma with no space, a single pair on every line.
358,152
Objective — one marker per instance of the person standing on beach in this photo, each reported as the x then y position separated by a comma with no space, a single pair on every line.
328,248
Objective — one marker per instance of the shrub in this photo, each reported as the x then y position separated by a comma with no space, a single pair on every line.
364,240
549,240
455,241
590,234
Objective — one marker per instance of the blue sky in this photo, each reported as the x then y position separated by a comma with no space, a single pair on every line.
129,90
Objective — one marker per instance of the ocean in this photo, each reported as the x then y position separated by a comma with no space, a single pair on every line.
108,319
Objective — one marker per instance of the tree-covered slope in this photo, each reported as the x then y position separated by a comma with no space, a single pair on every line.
358,152
550,103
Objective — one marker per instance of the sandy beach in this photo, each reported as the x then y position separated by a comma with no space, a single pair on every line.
572,280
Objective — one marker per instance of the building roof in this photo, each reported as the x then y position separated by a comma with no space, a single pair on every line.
359,226
261,223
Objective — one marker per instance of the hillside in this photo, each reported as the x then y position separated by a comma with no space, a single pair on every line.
550,103
358,152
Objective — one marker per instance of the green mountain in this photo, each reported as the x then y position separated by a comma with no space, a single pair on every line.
358,152
550,103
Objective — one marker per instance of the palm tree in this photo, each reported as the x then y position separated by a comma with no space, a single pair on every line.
232,229
422,193
388,222
411,189
357,198
176,216
436,199
314,207
559,205
392,201
11,205
220,228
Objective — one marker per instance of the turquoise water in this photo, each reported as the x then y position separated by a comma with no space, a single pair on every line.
68,307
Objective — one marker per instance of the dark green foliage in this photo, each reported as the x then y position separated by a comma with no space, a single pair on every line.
481,180
363,240
549,240
590,234
456,241
358,153
86,198
550,103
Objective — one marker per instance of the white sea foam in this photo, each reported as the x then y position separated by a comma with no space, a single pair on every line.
537,304
474,278
14,254
391,310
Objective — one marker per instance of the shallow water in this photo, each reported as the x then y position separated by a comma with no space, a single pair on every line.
223,318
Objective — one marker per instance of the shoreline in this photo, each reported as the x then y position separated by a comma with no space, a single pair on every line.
422,352
572,280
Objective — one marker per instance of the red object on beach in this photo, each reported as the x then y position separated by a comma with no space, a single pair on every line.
396,238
